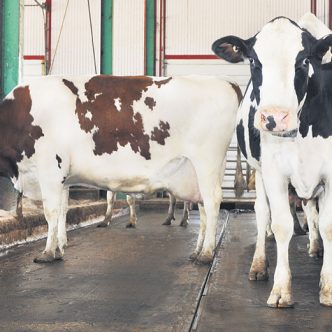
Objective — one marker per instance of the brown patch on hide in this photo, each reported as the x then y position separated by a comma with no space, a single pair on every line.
150,102
70,86
18,135
162,82
238,91
114,126
159,134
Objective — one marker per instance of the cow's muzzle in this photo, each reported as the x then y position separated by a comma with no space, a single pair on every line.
274,120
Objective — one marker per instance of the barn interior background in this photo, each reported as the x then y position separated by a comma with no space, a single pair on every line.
132,37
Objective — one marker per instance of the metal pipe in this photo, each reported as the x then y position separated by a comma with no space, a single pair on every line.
150,37
106,36
330,14
10,45
313,6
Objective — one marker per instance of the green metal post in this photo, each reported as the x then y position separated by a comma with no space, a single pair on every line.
150,37
10,45
106,36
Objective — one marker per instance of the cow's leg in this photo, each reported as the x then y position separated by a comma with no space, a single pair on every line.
325,228
269,233
185,216
19,207
110,197
211,193
201,235
171,210
310,210
282,227
133,217
52,201
62,232
293,204
258,269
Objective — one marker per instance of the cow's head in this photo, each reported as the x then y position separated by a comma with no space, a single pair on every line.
282,59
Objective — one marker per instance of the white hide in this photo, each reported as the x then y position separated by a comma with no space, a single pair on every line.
317,28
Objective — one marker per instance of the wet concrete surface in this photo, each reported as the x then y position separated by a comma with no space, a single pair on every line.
233,303
112,279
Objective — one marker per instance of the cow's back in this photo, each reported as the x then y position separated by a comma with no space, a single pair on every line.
104,127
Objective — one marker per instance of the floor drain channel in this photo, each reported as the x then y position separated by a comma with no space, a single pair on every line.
205,285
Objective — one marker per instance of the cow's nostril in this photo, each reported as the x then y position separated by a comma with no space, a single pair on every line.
263,117
284,117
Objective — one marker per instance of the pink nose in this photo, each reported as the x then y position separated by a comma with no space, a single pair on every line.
274,121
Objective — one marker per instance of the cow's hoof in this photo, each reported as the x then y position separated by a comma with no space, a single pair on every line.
325,294
184,223
59,254
168,221
258,275
258,270
44,258
193,256
204,259
278,300
103,224
325,298
130,225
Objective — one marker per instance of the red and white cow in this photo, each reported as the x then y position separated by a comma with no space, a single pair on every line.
130,134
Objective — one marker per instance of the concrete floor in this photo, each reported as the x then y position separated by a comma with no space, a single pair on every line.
113,279
119,279
233,303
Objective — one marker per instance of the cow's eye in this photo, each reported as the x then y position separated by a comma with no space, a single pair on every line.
236,49
252,61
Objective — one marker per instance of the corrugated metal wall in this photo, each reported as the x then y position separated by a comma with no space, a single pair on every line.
34,29
128,37
192,25
71,43
71,49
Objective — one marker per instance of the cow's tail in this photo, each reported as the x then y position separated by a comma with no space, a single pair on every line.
239,182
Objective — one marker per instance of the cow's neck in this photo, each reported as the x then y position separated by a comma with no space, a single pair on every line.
316,115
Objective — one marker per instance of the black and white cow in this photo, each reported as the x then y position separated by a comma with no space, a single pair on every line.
130,134
284,130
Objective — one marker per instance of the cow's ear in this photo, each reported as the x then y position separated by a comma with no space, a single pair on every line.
322,46
232,49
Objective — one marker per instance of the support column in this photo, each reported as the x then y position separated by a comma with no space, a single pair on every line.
10,45
106,36
150,33
330,14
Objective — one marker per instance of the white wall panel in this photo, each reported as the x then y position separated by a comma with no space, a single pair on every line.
128,37
34,42
193,25
74,54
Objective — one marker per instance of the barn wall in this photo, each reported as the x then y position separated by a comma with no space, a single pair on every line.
128,37
34,29
192,25
189,34
71,48
71,42
184,27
